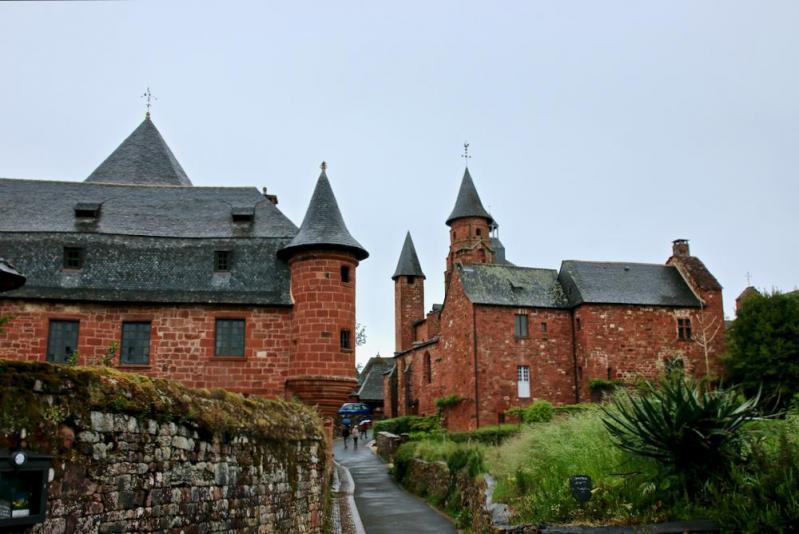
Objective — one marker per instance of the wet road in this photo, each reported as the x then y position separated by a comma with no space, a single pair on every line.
384,507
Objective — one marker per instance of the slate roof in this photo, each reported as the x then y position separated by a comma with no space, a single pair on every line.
625,283
505,285
499,252
468,203
148,244
408,264
372,385
143,158
189,212
700,274
323,225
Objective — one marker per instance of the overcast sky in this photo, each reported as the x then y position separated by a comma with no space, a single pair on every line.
598,130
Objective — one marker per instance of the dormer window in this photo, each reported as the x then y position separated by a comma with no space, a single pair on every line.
243,215
73,258
222,260
87,210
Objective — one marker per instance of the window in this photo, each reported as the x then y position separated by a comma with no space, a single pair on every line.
411,280
544,328
579,324
222,260
523,381
73,258
478,232
135,343
521,325
428,368
230,337
684,329
345,274
345,339
62,340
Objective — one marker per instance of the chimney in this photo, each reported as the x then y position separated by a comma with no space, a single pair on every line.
679,247
270,198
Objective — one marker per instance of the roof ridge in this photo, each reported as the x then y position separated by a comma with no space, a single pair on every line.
618,263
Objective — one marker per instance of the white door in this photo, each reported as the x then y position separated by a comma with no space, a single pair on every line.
523,381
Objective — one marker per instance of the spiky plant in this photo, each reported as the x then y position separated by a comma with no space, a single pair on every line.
690,429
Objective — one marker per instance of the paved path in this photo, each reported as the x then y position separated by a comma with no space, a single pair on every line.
385,507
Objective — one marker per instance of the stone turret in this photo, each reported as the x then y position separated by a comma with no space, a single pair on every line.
323,257
408,295
470,224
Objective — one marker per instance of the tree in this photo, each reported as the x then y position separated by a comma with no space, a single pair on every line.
764,347
709,329
360,334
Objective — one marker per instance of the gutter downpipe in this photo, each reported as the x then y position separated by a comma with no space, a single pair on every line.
574,356
476,370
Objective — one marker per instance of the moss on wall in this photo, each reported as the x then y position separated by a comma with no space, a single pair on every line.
39,397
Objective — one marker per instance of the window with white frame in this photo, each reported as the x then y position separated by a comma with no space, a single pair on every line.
523,381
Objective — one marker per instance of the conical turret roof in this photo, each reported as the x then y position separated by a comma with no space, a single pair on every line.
408,264
323,226
468,203
142,159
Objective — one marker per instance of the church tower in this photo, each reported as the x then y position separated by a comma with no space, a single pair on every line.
469,234
322,258
408,295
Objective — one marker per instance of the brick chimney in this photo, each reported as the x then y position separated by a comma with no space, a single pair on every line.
679,248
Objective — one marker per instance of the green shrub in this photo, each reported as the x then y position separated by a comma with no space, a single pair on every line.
539,411
488,435
407,423
449,401
402,459
600,385
689,429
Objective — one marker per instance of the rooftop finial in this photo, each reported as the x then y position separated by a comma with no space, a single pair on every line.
466,155
748,279
323,166
149,96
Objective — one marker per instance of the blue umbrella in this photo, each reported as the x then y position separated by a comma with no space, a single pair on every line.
354,408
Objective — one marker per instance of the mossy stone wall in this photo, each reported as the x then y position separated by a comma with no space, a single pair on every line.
137,454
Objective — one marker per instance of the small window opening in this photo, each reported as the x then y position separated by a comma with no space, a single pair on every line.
543,327
73,258
579,324
411,280
610,373
521,325
222,260
345,340
242,215
478,232
684,329
345,274
428,368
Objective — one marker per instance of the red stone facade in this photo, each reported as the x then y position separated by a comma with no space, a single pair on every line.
473,351
288,351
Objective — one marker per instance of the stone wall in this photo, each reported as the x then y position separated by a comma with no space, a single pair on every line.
137,454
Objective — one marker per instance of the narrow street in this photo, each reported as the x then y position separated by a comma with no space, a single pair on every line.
384,507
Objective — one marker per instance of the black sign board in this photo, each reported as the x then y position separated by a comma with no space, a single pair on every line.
23,488
581,488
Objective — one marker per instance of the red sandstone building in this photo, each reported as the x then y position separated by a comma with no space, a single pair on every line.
211,286
507,335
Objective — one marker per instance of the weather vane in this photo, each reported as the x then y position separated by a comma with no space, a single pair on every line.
748,279
323,166
466,155
149,96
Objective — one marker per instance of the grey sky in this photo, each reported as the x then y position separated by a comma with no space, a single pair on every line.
599,130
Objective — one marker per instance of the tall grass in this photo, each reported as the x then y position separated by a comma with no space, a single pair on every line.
533,470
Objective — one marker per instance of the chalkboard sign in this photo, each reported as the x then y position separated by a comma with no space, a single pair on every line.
581,488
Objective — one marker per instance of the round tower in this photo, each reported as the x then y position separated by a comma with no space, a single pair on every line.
408,295
470,228
323,258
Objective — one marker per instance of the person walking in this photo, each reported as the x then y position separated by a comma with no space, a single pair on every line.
346,433
355,434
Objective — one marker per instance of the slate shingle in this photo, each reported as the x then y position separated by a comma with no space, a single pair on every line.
505,285
468,203
408,264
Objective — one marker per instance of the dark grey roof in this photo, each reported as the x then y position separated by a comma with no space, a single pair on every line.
468,203
408,264
505,285
189,212
499,252
149,269
323,225
624,283
10,278
148,244
372,385
142,159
